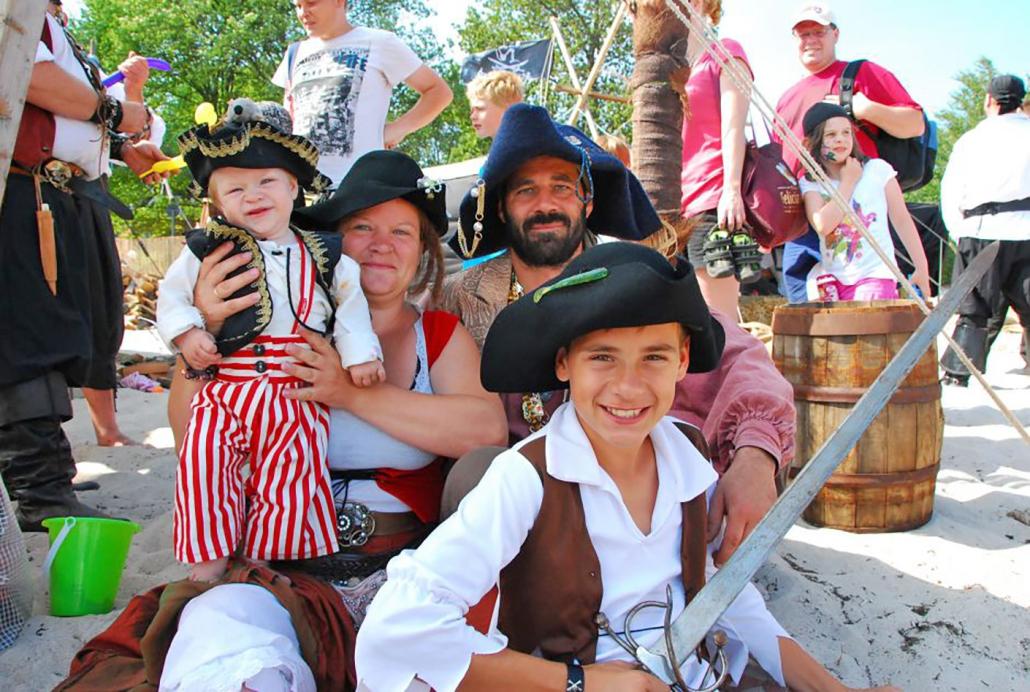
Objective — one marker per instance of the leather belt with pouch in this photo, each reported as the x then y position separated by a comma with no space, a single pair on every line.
68,177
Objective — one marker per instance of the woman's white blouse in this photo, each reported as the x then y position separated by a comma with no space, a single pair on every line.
415,627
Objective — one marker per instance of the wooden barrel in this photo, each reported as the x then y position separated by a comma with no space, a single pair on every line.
831,353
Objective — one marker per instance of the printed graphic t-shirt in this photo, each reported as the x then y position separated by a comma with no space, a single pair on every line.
339,92
845,254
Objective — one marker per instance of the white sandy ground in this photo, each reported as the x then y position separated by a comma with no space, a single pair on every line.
945,607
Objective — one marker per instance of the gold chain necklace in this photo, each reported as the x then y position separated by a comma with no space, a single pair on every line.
532,403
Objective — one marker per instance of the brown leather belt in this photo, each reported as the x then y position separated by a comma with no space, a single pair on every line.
356,524
390,523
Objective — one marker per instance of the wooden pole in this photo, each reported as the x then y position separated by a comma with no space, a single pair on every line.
578,89
620,14
20,30
593,94
660,72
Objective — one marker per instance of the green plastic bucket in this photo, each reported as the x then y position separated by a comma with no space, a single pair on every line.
85,563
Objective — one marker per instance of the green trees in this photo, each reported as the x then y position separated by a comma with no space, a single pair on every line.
963,112
219,49
584,25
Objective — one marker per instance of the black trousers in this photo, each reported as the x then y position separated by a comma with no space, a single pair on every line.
106,301
47,341
1006,284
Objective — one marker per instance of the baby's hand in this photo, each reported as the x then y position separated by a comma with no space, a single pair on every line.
198,348
367,374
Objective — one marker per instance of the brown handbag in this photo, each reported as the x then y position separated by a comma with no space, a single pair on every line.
772,199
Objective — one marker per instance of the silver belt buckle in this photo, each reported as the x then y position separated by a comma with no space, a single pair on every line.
354,524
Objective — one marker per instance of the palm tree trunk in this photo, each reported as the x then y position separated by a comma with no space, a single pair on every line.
657,85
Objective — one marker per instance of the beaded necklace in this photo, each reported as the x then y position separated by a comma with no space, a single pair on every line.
532,403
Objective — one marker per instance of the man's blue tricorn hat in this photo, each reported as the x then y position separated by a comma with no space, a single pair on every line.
608,286
621,207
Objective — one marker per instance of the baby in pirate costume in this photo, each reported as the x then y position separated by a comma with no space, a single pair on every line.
602,509
253,173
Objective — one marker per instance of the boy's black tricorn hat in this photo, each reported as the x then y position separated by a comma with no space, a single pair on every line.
609,286
377,177
251,144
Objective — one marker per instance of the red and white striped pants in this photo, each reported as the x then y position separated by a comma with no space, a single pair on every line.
239,417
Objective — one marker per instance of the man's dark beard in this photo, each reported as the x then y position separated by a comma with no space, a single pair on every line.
551,249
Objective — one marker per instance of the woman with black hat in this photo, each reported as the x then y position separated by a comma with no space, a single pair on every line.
384,441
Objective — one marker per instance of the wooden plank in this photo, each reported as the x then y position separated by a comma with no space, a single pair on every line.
19,35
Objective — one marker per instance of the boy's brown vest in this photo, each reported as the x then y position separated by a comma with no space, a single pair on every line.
551,591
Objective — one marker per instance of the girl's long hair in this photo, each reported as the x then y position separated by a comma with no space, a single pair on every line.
814,141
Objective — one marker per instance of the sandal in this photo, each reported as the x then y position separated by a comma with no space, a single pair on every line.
718,254
746,257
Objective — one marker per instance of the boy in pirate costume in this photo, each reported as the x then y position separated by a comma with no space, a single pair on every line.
253,173
600,510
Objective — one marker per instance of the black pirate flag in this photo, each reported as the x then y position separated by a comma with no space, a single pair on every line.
528,59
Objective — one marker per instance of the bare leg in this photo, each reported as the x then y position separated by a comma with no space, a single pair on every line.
105,420
211,570
721,294
179,399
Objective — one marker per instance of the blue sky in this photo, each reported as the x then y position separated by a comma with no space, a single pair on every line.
925,43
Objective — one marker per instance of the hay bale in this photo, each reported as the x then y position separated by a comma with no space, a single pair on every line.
759,308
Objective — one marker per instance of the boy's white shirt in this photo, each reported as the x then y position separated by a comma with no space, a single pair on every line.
415,627
355,340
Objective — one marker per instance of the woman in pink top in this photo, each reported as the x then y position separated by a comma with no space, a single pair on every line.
713,159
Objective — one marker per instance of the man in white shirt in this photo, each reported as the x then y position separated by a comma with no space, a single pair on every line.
338,84
985,196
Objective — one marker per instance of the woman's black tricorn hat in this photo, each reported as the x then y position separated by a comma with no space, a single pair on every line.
377,177
609,286
250,144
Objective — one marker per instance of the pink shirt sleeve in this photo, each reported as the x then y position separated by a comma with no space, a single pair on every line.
743,403
736,50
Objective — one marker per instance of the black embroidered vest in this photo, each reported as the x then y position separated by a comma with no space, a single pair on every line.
243,327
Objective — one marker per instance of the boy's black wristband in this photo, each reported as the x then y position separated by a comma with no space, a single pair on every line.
574,678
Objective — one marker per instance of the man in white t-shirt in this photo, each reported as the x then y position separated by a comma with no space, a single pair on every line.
338,84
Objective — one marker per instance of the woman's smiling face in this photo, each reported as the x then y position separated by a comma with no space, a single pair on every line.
385,242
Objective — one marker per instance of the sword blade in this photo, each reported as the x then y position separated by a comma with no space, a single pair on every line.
712,601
